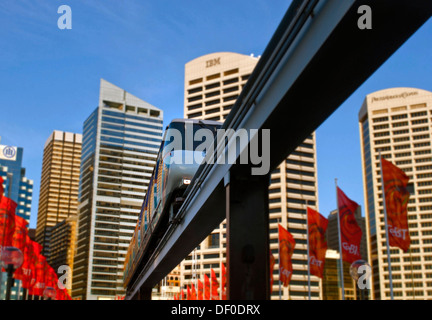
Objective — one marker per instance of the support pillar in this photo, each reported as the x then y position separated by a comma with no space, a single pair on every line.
247,218
143,293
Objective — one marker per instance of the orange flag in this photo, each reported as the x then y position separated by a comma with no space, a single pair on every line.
7,221
286,250
200,290
206,287
317,227
214,286
20,233
351,233
189,294
396,200
193,293
223,282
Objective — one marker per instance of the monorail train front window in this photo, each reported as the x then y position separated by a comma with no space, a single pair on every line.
189,135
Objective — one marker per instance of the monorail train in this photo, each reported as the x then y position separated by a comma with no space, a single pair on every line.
178,159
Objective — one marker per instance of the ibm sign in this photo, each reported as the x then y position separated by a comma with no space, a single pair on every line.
8,152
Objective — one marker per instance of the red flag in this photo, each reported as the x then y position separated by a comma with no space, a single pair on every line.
7,221
193,293
188,296
214,286
286,250
1,187
20,233
41,272
396,200
200,290
317,227
350,232
223,282
27,272
206,287
272,263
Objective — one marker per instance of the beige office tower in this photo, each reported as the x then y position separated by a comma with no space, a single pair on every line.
398,122
58,197
212,84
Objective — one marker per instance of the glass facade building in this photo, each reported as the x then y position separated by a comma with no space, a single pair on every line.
121,139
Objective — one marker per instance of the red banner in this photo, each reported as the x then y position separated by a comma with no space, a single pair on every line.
223,282
286,250
317,227
7,221
20,233
200,290
206,287
396,200
214,286
41,272
27,272
350,232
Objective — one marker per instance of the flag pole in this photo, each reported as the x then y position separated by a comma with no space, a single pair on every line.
386,228
308,257
340,245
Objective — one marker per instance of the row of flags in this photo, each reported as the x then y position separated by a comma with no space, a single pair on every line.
350,234
207,290
396,198
35,273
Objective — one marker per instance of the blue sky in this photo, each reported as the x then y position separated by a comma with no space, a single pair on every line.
49,78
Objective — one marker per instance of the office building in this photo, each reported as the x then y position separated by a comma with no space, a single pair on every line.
331,283
213,83
121,139
58,196
16,185
62,247
396,122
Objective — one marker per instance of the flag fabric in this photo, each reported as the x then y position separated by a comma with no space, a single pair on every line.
41,272
193,293
350,232
317,227
223,282
7,221
206,287
20,233
27,272
1,187
189,294
396,200
286,250
272,263
214,286
200,290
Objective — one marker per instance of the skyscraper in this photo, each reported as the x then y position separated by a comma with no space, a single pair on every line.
213,83
397,123
58,196
121,138
16,185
